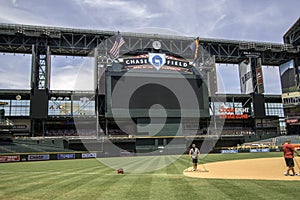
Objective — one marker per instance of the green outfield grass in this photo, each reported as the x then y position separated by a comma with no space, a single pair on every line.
89,179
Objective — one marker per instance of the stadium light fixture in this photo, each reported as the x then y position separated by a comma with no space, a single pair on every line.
18,97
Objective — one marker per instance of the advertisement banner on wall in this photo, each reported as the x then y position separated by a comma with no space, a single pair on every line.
259,77
89,155
9,158
246,80
39,157
225,112
259,150
229,151
292,121
291,99
65,156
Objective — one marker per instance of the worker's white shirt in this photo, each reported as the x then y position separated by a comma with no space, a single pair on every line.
194,153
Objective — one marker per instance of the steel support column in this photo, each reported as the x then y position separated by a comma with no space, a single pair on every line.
40,86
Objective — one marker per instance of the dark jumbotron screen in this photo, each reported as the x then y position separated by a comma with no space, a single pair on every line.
155,90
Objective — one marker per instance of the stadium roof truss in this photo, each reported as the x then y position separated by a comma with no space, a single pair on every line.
80,42
292,36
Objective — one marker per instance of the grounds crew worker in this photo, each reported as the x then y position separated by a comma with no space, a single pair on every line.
194,153
288,151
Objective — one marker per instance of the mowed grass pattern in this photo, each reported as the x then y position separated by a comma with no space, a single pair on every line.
89,179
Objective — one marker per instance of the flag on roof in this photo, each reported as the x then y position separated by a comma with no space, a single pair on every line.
194,47
115,50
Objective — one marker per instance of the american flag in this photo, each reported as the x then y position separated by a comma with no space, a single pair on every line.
115,50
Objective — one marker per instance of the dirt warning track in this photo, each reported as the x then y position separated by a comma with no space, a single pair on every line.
261,169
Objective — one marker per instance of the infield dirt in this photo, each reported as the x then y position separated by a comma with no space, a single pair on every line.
261,169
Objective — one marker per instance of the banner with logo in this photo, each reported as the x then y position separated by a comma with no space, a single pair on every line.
89,155
259,150
228,112
66,156
259,77
157,60
245,78
229,151
9,158
39,157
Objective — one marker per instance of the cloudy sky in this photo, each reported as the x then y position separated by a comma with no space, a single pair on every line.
256,20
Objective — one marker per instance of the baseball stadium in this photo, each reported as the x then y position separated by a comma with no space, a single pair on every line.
153,96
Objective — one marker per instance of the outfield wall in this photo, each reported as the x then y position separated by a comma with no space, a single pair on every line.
28,157
24,157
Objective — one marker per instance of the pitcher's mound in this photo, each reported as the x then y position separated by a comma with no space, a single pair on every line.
262,168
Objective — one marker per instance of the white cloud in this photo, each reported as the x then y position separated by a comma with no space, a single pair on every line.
129,7
118,15
228,79
271,79
77,76
15,71
14,2
214,25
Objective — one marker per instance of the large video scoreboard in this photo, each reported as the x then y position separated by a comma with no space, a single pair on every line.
139,94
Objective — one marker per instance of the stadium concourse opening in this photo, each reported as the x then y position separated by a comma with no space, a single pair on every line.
161,76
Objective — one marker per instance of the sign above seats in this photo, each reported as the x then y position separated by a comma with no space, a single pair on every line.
156,61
